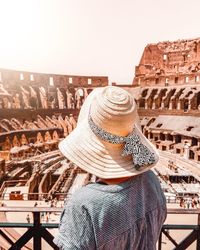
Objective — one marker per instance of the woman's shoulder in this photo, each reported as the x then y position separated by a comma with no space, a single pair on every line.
83,196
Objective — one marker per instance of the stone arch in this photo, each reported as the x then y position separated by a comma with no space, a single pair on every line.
72,121
144,92
142,103
194,141
185,105
79,96
7,145
33,102
177,138
162,137
71,90
52,99
23,140
61,98
40,138
47,136
169,137
191,154
15,142
70,93
174,104
55,135
69,125
150,121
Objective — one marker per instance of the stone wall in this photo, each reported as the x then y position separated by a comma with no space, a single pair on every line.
17,78
27,90
169,63
174,99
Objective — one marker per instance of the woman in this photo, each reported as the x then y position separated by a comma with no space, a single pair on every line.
125,208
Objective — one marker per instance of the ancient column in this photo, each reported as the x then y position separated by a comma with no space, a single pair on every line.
16,102
178,105
43,97
78,100
70,100
61,100
25,96
69,125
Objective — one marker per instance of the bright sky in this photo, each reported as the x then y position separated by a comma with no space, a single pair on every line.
90,37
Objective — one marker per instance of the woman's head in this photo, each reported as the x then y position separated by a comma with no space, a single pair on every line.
107,139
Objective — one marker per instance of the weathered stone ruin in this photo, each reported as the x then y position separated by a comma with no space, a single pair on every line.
169,63
167,91
39,110
36,112
27,90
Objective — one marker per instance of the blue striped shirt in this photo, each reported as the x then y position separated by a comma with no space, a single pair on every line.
114,217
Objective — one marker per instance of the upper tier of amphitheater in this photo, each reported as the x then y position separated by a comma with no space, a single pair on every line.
168,63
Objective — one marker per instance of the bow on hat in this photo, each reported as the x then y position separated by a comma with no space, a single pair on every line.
141,155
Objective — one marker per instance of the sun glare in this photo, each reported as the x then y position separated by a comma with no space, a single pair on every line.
22,31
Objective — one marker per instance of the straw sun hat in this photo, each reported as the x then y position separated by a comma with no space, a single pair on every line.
107,141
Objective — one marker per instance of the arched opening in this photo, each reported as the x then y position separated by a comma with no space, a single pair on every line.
177,138
16,142
141,103
144,92
6,145
150,121
162,137
186,105
40,138
194,141
24,140
47,136
191,154
169,137
55,135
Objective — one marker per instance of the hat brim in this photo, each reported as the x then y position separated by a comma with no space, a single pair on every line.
100,158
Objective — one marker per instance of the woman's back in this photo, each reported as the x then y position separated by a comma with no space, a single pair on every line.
124,216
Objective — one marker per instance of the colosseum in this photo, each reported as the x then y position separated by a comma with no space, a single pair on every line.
38,110
168,77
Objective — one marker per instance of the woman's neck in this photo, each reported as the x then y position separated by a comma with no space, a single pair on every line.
115,181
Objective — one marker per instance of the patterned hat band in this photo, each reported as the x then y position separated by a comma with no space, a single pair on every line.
141,155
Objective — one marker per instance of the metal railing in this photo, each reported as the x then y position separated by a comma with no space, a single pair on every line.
63,196
193,236
38,230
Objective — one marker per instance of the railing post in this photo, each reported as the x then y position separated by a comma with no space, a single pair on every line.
160,241
198,232
37,240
